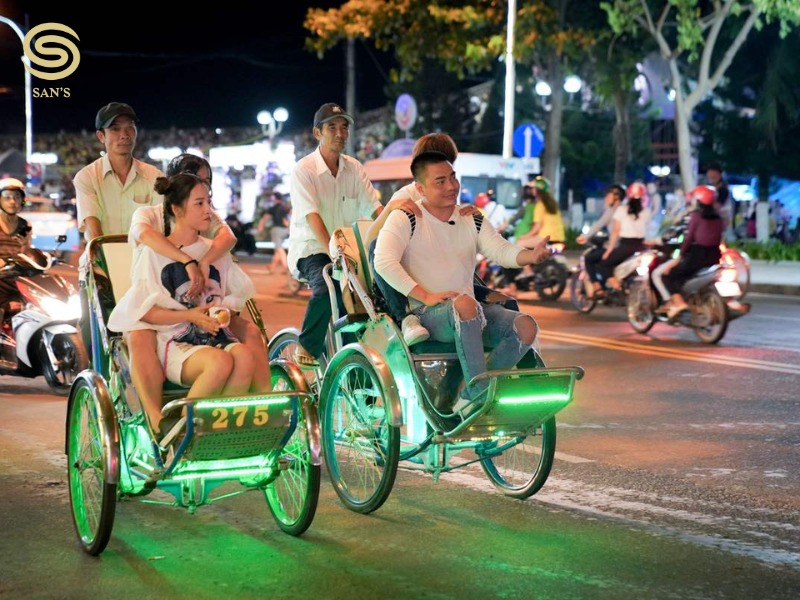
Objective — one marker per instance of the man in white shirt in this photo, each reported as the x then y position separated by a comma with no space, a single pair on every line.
329,190
111,188
433,261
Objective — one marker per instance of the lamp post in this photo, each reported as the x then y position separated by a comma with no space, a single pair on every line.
28,92
272,122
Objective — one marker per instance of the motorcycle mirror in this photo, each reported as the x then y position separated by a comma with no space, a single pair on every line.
61,239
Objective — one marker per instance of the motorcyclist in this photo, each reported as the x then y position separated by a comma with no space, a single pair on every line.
613,198
628,231
15,238
700,246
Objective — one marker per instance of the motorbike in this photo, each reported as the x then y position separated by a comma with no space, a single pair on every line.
581,291
713,295
547,278
42,338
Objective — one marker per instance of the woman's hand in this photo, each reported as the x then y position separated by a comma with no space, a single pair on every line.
406,204
469,209
200,317
196,278
606,254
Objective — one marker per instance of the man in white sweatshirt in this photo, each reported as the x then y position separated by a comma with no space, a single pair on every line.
432,260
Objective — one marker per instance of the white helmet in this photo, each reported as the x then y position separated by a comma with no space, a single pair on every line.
9,183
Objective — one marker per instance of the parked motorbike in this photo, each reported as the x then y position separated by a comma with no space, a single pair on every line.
547,278
713,296
42,338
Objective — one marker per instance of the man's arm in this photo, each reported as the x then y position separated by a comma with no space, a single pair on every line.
506,254
88,205
603,221
317,225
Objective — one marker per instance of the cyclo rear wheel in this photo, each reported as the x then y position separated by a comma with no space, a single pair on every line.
292,498
361,446
520,466
90,440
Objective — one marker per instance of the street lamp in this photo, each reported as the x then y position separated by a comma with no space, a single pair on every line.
28,93
272,122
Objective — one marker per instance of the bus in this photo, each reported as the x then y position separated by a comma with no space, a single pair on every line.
477,173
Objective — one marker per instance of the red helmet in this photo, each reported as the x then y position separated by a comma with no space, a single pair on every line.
636,190
481,200
704,194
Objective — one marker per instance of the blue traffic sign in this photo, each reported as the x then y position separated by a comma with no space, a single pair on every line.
528,140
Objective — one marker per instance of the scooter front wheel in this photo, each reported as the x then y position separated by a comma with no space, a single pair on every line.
70,359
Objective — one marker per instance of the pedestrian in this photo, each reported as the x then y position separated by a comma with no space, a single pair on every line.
329,190
280,212
725,201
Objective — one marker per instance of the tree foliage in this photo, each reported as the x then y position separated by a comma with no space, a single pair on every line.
698,39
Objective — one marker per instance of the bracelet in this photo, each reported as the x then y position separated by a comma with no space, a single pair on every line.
188,262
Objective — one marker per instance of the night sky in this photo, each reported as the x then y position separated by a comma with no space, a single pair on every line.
177,67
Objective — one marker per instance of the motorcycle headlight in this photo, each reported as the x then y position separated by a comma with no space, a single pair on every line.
62,310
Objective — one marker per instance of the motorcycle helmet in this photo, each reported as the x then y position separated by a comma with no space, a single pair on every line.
703,194
9,183
541,184
481,200
636,190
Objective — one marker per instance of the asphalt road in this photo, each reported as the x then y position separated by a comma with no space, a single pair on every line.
676,476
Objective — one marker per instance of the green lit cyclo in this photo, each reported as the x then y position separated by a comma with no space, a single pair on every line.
382,402
267,443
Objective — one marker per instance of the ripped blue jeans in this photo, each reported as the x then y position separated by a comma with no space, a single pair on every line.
492,328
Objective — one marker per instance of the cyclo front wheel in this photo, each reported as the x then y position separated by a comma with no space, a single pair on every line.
292,497
90,442
519,466
361,446
284,344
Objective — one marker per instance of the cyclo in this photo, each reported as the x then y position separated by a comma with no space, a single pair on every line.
382,402
268,443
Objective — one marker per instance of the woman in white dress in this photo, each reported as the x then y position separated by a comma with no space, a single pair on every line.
196,349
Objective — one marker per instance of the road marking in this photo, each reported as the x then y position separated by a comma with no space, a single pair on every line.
638,348
760,534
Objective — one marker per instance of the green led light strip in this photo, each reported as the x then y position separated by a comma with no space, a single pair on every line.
223,474
534,399
240,402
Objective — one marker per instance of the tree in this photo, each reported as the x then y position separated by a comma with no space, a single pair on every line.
698,39
467,38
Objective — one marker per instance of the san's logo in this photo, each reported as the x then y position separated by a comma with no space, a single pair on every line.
46,44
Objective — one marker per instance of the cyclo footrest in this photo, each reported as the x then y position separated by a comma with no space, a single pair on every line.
237,427
518,401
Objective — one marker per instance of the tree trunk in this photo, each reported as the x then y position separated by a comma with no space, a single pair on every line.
622,135
683,119
552,137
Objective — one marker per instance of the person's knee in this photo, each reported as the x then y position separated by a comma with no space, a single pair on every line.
526,329
466,307
142,346
243,359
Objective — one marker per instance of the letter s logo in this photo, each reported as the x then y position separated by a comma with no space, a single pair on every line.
51,45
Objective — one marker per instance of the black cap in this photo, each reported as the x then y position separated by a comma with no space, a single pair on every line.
330,111
112,110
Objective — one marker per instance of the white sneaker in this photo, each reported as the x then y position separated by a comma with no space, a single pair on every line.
464,407
413,331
